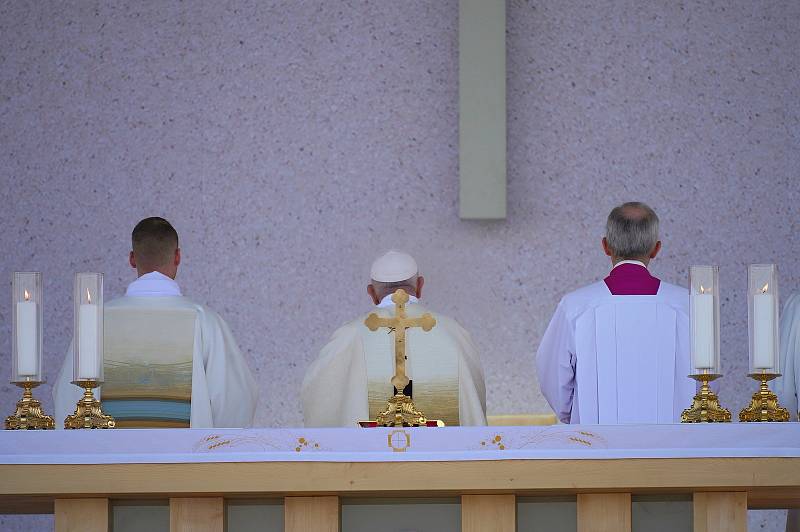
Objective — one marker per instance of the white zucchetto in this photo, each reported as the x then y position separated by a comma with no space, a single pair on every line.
393,266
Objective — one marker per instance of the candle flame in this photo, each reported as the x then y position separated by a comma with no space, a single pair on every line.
702,289
765,288
88,296
27,295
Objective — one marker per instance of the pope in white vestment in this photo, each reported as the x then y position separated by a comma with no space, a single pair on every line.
168,361
617,351
350,381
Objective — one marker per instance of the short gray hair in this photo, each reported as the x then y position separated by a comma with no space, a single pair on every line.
383,289
632,230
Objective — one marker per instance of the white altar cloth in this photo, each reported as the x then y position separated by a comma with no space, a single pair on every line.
392,445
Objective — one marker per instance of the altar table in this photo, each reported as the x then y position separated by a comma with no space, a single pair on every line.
725,468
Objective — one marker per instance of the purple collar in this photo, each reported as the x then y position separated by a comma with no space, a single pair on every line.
632,280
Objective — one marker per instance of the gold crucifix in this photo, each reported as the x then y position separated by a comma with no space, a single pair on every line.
401,410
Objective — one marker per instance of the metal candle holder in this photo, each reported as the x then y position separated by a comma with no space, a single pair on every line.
704,292
29,415
764,405
89,412
705,406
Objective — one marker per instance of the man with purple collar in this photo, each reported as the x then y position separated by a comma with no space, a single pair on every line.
617,351
168,361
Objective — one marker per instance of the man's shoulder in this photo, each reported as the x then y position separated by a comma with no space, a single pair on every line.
597,293
673,290
161,302
792,303
585,295
675,296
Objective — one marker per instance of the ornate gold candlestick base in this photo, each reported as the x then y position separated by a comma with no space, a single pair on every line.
29,413
88,412
764,405
705,406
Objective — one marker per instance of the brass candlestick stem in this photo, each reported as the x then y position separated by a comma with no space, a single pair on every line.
29,413
705,406
88,412
764,405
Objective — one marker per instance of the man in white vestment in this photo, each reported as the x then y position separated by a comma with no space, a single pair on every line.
786,386
350,381
168,361
617,351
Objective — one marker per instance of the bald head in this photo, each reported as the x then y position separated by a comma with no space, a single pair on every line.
155,247
632,232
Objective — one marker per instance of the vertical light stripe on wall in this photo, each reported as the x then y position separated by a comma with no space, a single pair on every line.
482,109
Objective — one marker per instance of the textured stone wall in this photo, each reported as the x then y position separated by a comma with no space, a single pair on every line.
291,142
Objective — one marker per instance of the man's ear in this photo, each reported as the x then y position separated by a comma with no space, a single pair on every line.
373,294
132,260
177,257
607,248
420,282
656,249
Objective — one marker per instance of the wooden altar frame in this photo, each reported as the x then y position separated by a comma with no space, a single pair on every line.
723,489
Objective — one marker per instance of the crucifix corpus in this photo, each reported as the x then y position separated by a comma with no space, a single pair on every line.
400,411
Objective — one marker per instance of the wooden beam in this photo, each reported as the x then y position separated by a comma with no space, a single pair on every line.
769,499
720,512
604,512
667,475
488,513
482,109
200,514
82,515
320,514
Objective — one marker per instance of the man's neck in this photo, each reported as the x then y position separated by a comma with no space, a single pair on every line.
140,273
637,262
387,300
153,283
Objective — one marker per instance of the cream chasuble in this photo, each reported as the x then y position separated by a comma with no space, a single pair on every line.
617,359
350,381
168,362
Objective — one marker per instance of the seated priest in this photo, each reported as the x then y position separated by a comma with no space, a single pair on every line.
168,361
350,381
786,386
617,350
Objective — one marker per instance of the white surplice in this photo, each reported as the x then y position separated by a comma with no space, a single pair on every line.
335,387
224,393
617,359
786,386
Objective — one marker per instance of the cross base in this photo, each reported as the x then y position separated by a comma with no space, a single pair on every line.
401,412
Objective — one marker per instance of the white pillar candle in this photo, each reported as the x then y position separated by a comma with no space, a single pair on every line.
27,359
87,346
763,331
703,331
